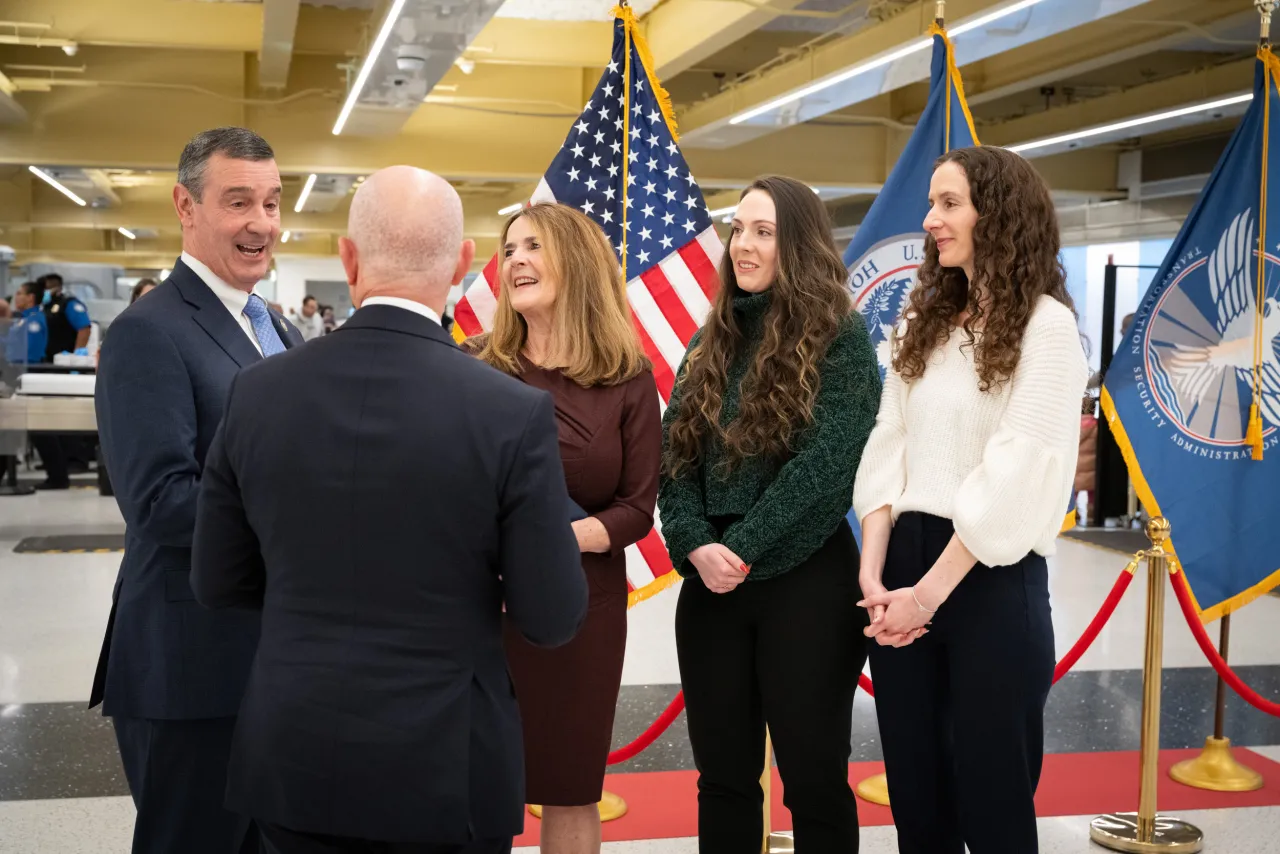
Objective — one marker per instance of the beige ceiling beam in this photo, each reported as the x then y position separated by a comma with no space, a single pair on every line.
1090,173
682,33
825,60
1099,44
1201,85
512,41
207,26
110,128
279,27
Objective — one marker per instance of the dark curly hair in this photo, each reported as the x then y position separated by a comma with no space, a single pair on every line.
1015,244
809,301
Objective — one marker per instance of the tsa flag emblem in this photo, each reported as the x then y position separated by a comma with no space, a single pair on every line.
1193,394
889,246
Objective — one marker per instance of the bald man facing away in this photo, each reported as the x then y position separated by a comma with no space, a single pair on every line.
379,495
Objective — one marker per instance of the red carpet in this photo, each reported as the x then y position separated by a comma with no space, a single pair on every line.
663,805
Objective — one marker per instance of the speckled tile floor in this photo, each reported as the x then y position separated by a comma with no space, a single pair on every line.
61,787
104,826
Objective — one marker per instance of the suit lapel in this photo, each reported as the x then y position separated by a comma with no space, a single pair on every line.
289,335
213,317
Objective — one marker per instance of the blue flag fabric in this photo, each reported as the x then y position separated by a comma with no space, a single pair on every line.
1179,391
889,246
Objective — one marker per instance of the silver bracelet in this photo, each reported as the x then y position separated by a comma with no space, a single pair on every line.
918,605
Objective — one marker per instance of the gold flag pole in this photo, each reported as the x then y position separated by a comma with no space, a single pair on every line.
1145,831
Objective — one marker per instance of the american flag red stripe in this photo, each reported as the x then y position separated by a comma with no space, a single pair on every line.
695,256
663,376
682,324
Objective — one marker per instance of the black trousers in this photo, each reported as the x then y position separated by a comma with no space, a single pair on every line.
961,710
177,773
53,453
278,840
786,651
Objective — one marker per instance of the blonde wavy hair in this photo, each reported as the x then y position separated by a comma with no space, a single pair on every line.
592,325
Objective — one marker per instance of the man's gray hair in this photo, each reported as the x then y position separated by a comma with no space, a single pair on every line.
232,142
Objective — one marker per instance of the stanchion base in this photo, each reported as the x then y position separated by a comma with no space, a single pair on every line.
1119,832
781,843
611,807
1216,770
874,790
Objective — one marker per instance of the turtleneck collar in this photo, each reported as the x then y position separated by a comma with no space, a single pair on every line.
751,306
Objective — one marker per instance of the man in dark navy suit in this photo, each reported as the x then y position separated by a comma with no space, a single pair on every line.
171,673
380,716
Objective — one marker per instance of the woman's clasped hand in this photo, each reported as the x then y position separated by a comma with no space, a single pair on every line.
896,618
719,568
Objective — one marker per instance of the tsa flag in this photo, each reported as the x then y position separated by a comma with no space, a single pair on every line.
889,245
1202,353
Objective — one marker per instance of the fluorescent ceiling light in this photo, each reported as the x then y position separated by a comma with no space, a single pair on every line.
879,62
56,184
991,17
306,191
1131,123
722,211
285,235
367,68
510,209
127,233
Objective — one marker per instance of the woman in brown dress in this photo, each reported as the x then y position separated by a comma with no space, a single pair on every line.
563,325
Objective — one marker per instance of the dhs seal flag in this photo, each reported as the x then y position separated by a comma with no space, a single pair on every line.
889,246
1193,394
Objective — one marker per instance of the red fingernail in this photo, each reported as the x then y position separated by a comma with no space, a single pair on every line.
746,569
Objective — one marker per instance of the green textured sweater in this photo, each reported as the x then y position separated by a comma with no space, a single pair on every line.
788,510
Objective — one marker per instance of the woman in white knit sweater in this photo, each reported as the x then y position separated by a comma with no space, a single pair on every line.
961,492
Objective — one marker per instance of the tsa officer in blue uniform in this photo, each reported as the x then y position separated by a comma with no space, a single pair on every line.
28,335
67,317
68,323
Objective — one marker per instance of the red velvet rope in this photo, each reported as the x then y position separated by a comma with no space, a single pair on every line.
1091,633
1179,581
650,735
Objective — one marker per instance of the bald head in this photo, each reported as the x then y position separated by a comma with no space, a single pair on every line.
405,237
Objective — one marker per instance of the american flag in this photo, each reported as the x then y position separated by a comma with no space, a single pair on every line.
622,166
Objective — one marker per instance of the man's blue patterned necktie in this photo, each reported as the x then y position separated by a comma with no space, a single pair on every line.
263,329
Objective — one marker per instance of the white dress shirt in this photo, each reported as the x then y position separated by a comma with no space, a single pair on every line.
232,297
406,304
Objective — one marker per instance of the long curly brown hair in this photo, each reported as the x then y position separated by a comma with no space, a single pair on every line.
809,301
1016,261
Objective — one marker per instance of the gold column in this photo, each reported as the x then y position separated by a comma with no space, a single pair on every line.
1145,831
772,843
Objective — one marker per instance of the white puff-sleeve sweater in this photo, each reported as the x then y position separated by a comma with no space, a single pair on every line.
999,464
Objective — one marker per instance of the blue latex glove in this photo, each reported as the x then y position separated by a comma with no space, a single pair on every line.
82,351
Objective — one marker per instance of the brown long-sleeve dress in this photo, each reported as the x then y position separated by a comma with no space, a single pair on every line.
611,447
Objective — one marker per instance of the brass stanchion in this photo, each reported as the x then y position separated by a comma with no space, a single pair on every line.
611,807
1215,768
1145,831
772,843
874,790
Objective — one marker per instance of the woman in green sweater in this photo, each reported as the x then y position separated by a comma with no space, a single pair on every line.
762,437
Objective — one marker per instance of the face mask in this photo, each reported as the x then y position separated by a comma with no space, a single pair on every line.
48,297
